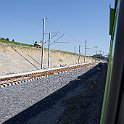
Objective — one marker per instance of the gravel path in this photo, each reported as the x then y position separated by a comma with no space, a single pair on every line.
17,98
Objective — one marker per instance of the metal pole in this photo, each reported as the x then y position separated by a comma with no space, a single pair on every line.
96,56
42,56
85,51
95,53
49,50
100,54
79,55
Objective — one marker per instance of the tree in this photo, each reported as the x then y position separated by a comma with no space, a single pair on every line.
13,40
2,38
7,39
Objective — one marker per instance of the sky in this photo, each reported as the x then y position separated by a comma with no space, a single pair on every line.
79,20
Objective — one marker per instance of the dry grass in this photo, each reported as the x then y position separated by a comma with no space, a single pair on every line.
15,59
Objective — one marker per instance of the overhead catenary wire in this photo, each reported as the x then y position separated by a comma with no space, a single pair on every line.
49,44
57,39
51,37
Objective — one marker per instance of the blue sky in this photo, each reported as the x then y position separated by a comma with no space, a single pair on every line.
79,20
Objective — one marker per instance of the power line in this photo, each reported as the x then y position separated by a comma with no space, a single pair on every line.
49,44
51,37
57,39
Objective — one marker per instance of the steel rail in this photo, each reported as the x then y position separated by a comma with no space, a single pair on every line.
35,74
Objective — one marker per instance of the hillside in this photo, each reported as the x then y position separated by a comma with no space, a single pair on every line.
18,57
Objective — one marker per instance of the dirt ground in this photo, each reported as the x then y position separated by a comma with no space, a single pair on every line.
17,59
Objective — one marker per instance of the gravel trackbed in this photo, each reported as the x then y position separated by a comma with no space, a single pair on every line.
17,98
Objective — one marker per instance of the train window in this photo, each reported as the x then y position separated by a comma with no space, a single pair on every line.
57,61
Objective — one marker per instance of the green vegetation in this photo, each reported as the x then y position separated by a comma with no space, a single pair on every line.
2,40
13,42
70,53
66,52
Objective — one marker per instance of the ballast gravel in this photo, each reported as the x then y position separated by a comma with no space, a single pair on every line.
16,98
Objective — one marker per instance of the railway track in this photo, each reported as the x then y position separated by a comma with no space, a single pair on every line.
20,92
18,78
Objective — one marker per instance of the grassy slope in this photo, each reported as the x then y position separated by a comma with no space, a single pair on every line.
14,43
24,44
